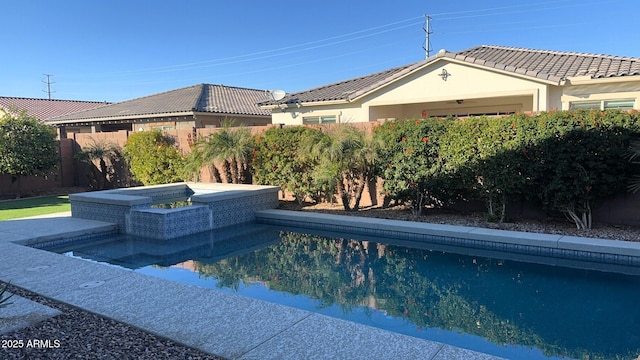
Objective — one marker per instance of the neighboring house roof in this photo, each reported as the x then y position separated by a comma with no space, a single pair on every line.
550,66
217,99
46,108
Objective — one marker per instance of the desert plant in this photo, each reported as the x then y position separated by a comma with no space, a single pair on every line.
230,147
3,298
345,162
104,153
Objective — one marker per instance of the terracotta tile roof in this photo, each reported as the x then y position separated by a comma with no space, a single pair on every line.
209,98
553,66
46,108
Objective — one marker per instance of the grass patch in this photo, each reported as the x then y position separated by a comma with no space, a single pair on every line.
15,209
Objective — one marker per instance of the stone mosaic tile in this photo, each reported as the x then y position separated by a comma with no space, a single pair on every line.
140,220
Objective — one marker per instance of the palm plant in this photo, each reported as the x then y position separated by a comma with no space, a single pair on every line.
203,153
101,150
243,145
346,163
193,163
634,184
231,148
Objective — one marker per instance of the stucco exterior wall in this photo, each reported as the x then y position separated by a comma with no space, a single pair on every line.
466,89
602,89
346,113
462,82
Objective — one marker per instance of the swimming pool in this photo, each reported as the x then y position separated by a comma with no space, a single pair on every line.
493,305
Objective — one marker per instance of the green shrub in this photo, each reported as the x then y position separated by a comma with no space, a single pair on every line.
154,158
278,161
567,160
410,163
583,157
488,157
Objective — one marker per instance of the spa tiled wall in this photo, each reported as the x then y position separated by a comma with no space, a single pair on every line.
215,210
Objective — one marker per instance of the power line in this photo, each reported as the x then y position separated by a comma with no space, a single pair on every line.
428,32
360,34
287,50
48,82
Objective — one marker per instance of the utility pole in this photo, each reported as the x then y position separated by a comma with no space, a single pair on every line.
48,82
427,32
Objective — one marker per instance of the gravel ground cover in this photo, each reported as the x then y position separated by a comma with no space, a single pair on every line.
84,335
548,226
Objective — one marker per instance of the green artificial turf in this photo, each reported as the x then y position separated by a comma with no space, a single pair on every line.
15,209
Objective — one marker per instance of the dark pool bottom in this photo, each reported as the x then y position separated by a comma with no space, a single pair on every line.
494,305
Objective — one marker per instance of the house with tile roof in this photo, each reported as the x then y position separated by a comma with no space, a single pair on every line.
45,108
484,80
197,106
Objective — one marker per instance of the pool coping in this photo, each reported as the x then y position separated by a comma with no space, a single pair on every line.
561,247
223,324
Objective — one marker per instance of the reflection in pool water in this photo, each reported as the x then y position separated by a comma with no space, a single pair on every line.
503,307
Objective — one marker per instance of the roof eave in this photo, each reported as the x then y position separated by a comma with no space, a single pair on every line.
589,80
123,117
297,105
207,113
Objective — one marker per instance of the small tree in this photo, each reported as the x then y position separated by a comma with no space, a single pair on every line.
28,147
278,161
154,158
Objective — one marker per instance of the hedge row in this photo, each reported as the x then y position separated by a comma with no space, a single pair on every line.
564,160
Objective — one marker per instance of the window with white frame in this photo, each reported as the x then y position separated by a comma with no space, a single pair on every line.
624,104
619,104
326,119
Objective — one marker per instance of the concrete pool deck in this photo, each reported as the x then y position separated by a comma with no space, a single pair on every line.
226,325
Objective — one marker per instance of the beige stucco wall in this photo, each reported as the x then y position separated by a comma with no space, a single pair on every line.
463,82
346,113
602,89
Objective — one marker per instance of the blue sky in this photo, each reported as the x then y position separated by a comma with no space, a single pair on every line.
122,49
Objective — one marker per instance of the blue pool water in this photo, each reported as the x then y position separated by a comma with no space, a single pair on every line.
493,304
